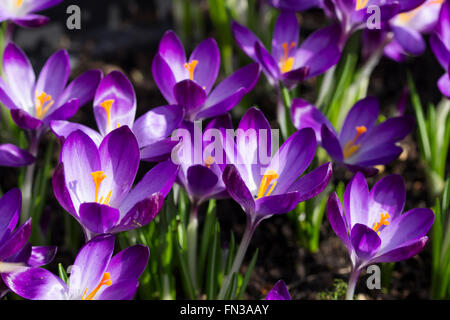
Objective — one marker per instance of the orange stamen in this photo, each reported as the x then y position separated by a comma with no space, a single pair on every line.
191,67
43,104
286,62
383,221
106,281
351,147
98,177
18,3
209,161
361,4
107,104
265,182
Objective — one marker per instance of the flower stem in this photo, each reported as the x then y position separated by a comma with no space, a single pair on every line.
29,179
192,235
249,230
354,275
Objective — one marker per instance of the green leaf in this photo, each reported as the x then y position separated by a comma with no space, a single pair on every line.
62,273
248,274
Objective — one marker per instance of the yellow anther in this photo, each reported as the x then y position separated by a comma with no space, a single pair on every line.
191,67
106,281
286,62
209,161
383,221
265,182
98,177
361,4
43,104
351,147
18,3
107,104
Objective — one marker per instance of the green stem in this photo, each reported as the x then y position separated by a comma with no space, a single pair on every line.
249,230
352,281
29,179
192,235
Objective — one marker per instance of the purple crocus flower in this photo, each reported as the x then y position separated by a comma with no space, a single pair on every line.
440,43
289,62
274,187
15,250
22,12
372,225
188,83
33,104
279,292
114,106
295,5
95,275
94,183
13,156
362,143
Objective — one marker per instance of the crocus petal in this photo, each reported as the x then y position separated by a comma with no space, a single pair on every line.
54,74
291,78
13,156
31,21
16,240
363,113
441,52
128,263
313,183
62,129
267,62
60,190
223,106
19,75
158,151
24,120
237,189
444,85
115,86
122,290
293,157
36,284
410,40
82,87
189,95
395,51
157,123
90,264
159,179
387,195
286,32
141,214
201,181
172,51
66,111
41,256
98,218
10,206
364,241
208,56
306,115
356,201
80,158
276,204
119,156
279,292
294,5
331,144
5,96
337,219
245,39
382,154
402,253
411,225
164,78
38,5
245,77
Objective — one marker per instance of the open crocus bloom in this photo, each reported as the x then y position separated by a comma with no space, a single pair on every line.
94,183
15,250
201,172
21,12
188,83
279,292
362,143
95,275
440,43
115,106
264,183
295,5
34,103
289,62
372,225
